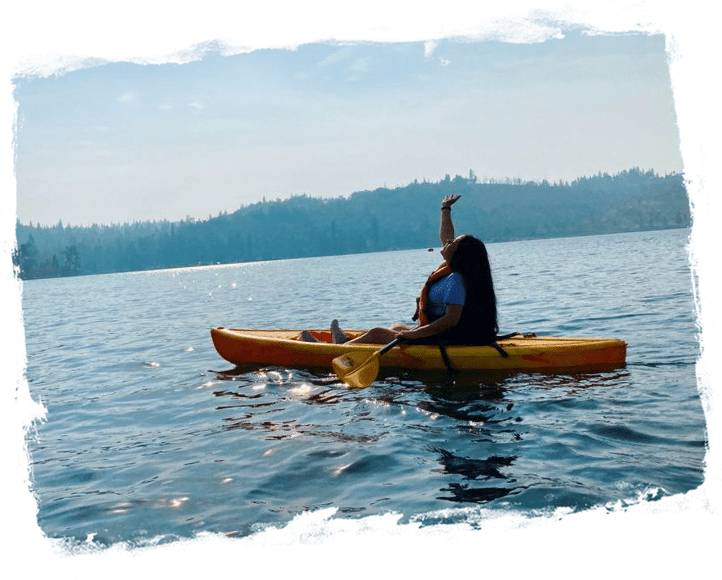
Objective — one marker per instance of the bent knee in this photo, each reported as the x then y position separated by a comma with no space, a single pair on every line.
380,335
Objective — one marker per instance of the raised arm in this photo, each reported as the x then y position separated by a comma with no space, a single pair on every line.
446,228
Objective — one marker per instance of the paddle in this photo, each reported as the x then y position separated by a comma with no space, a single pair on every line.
360,369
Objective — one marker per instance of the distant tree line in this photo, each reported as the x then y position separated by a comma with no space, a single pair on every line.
31,265
367,221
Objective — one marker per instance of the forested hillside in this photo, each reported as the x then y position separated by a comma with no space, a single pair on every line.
382,219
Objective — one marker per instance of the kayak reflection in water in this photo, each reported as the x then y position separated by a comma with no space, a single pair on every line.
457,303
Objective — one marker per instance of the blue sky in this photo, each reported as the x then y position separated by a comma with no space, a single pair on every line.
123,141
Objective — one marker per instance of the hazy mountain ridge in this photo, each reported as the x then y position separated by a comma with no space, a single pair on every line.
383,219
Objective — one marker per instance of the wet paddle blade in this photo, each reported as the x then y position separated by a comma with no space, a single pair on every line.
357,370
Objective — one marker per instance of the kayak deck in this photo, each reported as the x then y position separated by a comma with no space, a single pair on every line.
525,353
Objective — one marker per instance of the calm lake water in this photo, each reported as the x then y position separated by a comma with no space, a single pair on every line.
149,433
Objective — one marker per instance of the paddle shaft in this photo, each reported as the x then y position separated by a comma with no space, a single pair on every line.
389,346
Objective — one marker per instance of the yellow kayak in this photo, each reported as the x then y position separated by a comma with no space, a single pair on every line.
525,352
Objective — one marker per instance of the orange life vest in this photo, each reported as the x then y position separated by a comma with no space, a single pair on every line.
423,300
467,331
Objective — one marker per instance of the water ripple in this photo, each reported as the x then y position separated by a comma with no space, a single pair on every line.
149,437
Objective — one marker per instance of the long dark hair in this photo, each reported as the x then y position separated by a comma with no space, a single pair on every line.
479,317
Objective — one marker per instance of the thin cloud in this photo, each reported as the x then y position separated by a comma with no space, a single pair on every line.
128,98
335,57
361,65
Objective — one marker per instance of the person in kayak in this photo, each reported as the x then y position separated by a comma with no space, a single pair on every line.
457,303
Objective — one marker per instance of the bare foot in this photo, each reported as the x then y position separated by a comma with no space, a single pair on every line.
338,335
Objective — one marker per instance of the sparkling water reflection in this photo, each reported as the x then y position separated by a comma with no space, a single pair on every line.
149,433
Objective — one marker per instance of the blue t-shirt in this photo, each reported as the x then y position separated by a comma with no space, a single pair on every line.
448,290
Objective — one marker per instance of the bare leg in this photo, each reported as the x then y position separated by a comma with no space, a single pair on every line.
378,335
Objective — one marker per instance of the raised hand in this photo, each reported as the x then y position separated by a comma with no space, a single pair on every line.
450,200
446,229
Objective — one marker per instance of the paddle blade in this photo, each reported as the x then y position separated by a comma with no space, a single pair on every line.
357,370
